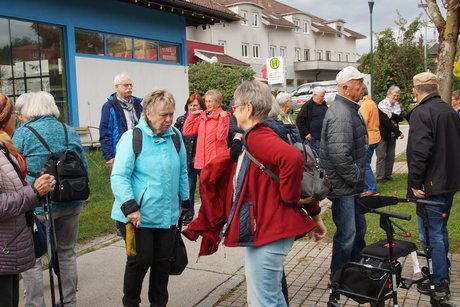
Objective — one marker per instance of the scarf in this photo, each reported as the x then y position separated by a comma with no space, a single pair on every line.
8,143
128,105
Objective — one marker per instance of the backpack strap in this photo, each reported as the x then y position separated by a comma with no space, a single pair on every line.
258,163
137,140
39,137
66,136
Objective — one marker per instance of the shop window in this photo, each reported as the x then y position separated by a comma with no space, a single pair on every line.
89,42
119,46
169,52
145,50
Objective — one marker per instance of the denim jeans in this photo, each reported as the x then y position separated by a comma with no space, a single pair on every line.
192,181
369,180
66,228
439,240
314,144
264,271
351,228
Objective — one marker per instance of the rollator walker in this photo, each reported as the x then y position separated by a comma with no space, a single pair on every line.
376,278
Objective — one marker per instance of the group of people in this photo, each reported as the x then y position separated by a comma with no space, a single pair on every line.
155,166
25,184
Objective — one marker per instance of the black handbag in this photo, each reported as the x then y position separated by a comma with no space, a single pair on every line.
39,236
179,259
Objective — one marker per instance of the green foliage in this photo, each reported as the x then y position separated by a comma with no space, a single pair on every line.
397,58
206,76
95,218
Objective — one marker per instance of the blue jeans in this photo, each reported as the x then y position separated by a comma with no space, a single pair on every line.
351,228
192,180
439,240
264,271
314,144
369,180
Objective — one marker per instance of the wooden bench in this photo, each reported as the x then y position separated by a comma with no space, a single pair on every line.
86,136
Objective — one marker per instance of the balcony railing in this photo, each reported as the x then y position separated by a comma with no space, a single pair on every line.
322,65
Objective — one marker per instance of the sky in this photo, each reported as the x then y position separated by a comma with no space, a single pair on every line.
357,17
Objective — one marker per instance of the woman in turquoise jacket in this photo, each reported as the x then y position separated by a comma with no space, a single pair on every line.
151,190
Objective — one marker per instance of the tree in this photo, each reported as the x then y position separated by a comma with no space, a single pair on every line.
206,76
397,58
448,30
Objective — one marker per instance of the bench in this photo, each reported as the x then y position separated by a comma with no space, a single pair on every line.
86,136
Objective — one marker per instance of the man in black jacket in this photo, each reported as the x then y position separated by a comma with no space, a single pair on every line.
342,156
432,159
310,118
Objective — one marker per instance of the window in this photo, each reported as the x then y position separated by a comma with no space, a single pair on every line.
339,28
328,55
244,15
297,25
255,19
119,46
169,52
319,55
89,42
272,51
256,51
306,54
244,50
339,57
297,54
347,57
222,43
305,27
32,59
289,82
283,51
145,50
300,82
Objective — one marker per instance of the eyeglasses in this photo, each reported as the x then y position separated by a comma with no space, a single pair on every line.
127,84
235,106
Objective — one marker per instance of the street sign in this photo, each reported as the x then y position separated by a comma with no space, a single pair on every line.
275,70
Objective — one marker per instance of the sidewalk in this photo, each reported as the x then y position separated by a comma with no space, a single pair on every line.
218,280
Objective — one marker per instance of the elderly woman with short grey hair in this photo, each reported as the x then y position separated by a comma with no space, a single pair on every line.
38,110
285,103
254,197
385,151
151,190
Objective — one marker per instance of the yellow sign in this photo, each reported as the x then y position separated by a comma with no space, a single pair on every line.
274,63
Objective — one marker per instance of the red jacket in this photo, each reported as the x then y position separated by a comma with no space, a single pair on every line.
266,210
212,135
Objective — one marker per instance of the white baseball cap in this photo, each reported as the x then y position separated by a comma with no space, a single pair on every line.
347,74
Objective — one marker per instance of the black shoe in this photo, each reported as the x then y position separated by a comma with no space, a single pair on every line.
426,272
380,181
441,289
389,178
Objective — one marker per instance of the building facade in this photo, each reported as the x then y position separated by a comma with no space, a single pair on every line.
314,49
73,49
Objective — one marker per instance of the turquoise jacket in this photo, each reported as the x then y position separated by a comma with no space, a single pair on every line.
156,180
51,130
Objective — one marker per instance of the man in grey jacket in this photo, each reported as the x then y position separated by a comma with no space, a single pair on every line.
342,155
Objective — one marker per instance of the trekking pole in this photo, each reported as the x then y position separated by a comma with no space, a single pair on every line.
53,261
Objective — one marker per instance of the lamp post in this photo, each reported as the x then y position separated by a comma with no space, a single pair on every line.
371,8
424,6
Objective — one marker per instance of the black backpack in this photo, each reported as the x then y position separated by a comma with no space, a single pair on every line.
72,182
137,140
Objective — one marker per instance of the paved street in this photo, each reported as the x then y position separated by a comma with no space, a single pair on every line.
218,280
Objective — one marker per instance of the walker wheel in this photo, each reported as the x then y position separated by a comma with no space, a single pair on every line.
447,304
332,304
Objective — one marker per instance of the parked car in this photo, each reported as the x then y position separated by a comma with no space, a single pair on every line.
304,92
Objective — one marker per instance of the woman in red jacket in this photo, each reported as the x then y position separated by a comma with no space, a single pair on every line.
212,128
260,213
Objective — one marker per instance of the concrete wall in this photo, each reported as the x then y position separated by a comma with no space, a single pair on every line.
93,92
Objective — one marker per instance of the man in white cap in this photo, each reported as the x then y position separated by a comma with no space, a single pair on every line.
432,159
342,155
